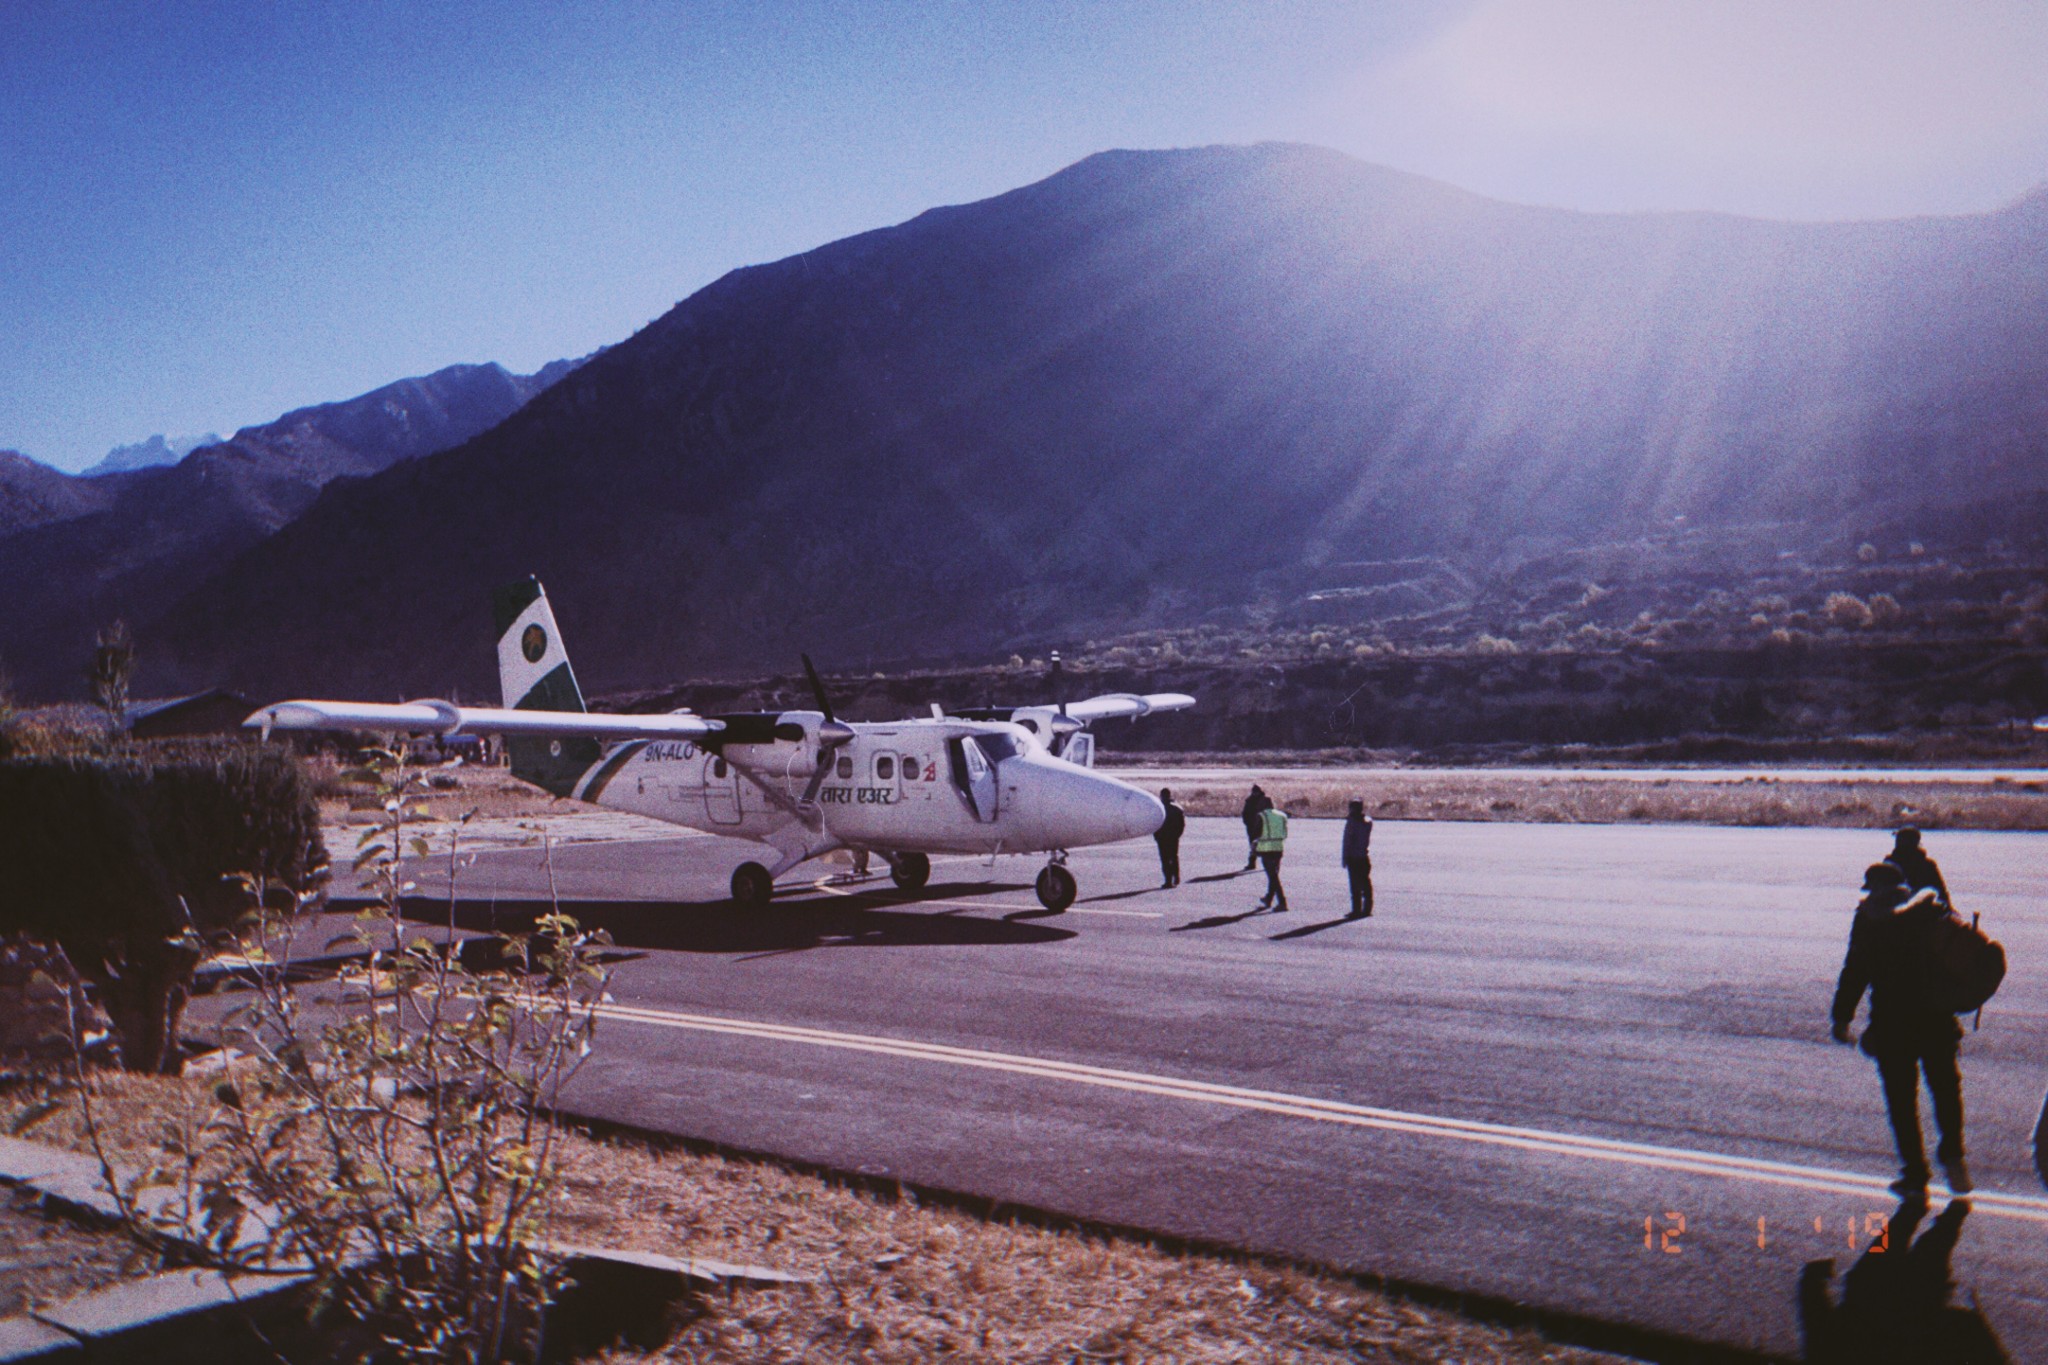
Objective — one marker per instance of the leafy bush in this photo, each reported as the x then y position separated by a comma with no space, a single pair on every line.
398,1141
136,863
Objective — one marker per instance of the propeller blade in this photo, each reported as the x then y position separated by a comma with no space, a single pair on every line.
818,777
818,691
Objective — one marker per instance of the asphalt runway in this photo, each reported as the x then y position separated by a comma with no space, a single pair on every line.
1579,1067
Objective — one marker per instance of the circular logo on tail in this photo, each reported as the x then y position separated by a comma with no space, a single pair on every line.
533,644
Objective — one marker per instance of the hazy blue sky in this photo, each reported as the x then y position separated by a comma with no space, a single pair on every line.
213,212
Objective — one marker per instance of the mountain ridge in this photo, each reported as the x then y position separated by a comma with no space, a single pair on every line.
1149,388
84,549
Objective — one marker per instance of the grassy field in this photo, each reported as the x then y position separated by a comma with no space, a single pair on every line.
896,1280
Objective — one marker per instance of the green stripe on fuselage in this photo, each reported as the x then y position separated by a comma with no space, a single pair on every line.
611,768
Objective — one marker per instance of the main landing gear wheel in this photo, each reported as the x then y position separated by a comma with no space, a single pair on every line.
1056,888
751,885
911,871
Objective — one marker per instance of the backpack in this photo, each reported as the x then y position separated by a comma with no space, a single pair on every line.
1967,963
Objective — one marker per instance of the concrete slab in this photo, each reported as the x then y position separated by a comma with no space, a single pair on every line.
25,1339
197,1315
22,1161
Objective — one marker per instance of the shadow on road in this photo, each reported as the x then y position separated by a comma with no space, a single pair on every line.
1895,1300
721,927
1121,895
1229,876
1305,930
1217,921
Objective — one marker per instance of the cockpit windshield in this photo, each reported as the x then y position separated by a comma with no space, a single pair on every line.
999,747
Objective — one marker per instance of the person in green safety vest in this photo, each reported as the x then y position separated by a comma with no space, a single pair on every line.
1270,846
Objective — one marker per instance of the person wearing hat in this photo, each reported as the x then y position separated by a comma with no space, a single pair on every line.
1911,1034
1167,836
1919,870
1256,803
1356,855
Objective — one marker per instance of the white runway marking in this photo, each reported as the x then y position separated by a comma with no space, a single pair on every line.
2027,1208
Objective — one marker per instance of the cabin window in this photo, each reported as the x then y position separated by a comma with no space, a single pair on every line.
885,769
910,770
845,766
718,768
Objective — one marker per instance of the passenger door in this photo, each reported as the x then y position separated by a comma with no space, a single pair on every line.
721,791
976,778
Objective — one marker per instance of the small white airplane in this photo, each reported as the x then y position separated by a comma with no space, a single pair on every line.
990,781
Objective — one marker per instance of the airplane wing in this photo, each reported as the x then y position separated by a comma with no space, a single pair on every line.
1115,704
446,718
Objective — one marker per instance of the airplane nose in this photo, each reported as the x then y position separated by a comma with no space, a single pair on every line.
1142,814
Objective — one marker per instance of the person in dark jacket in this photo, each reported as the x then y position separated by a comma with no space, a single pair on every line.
1356,854
1167,836
2041,1142
1910,1033
1919,870
1255,805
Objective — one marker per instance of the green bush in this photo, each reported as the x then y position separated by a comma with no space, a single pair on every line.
137,862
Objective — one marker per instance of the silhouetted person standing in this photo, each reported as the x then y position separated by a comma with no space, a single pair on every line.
1256,804
2041,1142
1919,870
1357,856
1270,847
1911,1033
1167,836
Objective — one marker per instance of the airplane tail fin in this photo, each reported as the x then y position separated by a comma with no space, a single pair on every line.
534,675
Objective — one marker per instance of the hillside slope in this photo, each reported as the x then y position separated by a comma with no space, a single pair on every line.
129,544
1154,385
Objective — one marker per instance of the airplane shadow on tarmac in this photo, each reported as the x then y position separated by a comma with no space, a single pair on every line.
860,920
1895,1303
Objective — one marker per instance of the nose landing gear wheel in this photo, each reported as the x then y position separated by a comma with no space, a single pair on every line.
911,871
751,885
1056,888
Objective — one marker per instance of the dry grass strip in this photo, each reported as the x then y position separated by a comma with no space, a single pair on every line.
901,1282
1497,794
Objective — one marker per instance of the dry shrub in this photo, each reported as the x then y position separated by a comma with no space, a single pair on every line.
394,1139
1847,610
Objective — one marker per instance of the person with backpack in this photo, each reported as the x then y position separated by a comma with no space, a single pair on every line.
1167,836
2041,1142
1356,855
1893,955
1270,847
1255,804
1919,870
